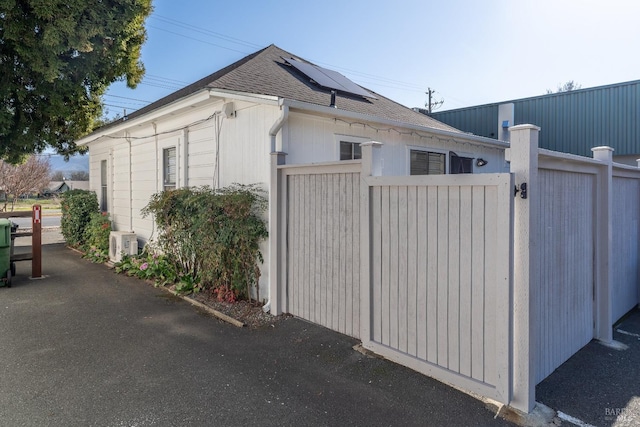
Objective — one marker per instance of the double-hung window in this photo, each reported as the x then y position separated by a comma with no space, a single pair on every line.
169,166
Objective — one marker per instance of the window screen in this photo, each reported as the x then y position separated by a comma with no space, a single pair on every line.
169,167
459,164
350,150
427,163
103,186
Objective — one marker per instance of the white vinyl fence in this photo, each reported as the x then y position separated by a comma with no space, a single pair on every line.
488,281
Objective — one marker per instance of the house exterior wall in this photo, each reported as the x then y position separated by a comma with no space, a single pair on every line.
216,151
314,139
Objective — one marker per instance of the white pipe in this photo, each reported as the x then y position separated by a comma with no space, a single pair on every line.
273,132
273,209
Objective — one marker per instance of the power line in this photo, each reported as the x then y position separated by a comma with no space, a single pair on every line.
199,40
130,99
185,25
205,31
165,78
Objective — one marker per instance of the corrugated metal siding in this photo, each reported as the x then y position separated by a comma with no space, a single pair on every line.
482,121
564,296
626,215
571,122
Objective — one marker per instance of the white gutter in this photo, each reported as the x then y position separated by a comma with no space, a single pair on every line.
245,96
273,204
335,112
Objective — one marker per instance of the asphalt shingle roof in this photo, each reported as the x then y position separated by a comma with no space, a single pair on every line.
265,72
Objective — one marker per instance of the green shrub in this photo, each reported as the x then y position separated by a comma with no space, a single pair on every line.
96,237
213,236
77,207
149,265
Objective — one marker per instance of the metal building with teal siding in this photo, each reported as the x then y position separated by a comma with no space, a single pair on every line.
571,122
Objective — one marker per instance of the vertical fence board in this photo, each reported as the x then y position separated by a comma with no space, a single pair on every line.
477,288
422,260
453,302
393,267
412,270
490,294
324,244
376,264
443,276
385,261
466,261
402,256
355,230
433,260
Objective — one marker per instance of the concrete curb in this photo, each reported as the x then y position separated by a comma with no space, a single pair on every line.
205,307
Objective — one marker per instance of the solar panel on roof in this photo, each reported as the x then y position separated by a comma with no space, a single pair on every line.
328,78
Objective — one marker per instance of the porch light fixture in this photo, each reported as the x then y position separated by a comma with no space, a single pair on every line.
481,162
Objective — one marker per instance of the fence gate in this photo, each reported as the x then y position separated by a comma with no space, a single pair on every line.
323,251
440,280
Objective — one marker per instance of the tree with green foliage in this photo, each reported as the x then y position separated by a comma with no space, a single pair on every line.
567,87
57,58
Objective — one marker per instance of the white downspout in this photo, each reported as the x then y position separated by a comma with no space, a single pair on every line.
273,205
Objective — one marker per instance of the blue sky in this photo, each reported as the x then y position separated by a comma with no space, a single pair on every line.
471,52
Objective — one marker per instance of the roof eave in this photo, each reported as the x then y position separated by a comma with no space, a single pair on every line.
192,100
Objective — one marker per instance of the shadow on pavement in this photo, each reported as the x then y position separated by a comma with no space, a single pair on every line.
600,385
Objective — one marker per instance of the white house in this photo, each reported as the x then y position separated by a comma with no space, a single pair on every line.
456,275
223,129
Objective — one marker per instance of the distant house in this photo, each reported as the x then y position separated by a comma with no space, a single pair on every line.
58,187
571,122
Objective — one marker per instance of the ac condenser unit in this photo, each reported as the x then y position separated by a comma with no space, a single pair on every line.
122,242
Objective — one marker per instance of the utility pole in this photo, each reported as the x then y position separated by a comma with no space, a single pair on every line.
432,105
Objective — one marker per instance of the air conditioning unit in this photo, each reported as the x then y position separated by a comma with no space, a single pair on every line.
122,242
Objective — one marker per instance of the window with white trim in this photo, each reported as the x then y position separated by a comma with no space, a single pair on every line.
169,167
427,162
460,164
103,185
350,150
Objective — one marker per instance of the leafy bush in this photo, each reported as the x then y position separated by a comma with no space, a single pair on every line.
77,207
213,236
148,265
96,237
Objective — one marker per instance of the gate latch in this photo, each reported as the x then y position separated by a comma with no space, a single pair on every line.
522,190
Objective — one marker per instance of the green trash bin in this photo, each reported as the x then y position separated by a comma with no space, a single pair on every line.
5,252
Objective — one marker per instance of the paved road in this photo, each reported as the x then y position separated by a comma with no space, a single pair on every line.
47,221
87,347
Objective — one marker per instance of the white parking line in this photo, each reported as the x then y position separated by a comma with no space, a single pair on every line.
572,420
628,333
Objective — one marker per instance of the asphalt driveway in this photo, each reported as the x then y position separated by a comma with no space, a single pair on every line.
87,347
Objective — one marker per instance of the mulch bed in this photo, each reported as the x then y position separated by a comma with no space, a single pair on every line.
251,314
